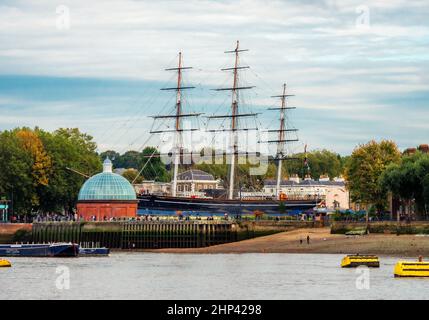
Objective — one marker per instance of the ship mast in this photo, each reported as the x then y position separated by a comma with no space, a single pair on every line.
177,117
178,138
280,146
281,141
234,115
234,106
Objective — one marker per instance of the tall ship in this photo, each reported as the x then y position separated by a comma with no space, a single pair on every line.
230,199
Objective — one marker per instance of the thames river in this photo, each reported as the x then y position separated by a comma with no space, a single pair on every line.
204,276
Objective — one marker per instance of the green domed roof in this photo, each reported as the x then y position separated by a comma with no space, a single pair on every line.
107,186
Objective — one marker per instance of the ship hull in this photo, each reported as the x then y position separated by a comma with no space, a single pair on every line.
230,206
94,252
39,250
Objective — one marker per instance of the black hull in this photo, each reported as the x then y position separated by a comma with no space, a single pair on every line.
222,206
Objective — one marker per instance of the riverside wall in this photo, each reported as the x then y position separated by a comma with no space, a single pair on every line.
386,227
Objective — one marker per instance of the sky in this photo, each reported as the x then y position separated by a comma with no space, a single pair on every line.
359,70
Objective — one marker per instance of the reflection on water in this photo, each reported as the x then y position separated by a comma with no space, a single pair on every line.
223,276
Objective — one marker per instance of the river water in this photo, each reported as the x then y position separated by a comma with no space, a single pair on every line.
203,276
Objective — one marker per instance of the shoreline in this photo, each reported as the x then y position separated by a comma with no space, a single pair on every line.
321,241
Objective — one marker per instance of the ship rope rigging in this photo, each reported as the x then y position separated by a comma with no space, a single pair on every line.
238,120
282,136
234,116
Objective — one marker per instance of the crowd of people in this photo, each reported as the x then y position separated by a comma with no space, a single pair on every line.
55,217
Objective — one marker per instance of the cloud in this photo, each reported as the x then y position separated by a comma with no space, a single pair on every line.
114,53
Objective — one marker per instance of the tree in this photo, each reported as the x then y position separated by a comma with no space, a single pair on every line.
41,161
112,155
33,167
320,162
154,169
131,174
409,180
68,148
364,168
148,160
16,180
130,159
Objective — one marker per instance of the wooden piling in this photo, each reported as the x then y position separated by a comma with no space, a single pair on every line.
137,234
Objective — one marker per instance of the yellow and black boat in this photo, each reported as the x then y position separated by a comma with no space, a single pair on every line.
5,263
353,261
411,269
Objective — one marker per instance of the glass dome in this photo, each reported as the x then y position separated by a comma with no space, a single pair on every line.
107,186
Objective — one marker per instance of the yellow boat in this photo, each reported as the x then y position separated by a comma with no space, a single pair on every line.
412,269
353,261
5,264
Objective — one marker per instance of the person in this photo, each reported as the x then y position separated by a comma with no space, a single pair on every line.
420,258
300,241
308,239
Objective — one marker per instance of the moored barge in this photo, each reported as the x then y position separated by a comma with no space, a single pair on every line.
39,250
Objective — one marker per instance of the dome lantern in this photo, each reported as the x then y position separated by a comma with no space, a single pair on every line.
107,165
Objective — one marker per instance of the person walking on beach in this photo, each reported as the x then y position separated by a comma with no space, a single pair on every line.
308,239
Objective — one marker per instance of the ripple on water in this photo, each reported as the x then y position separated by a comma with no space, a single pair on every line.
204,276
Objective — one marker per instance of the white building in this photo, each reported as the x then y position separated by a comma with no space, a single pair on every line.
334,193
194,182
189,183
153,187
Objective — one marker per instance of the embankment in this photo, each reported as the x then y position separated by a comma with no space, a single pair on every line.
148,234
384,227
10,232
322,241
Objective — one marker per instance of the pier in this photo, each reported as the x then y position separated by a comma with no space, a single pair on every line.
139,234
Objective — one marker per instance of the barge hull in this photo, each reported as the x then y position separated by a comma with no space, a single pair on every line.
39,250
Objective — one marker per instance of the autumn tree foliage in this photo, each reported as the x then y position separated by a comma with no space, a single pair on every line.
33,168
41,161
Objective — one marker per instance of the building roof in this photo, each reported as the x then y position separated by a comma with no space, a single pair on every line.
195,175
424,148
305,183
107,186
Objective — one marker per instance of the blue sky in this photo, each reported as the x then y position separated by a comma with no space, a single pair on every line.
359,69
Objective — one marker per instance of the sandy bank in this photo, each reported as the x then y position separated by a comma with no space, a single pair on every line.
321,241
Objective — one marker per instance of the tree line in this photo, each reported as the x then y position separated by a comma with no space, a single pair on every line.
34,170
323,162
376,169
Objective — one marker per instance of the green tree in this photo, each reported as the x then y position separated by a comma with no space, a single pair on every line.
363,171
409,180
113,155
130,159
69,149
320,162
16,179
33,167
